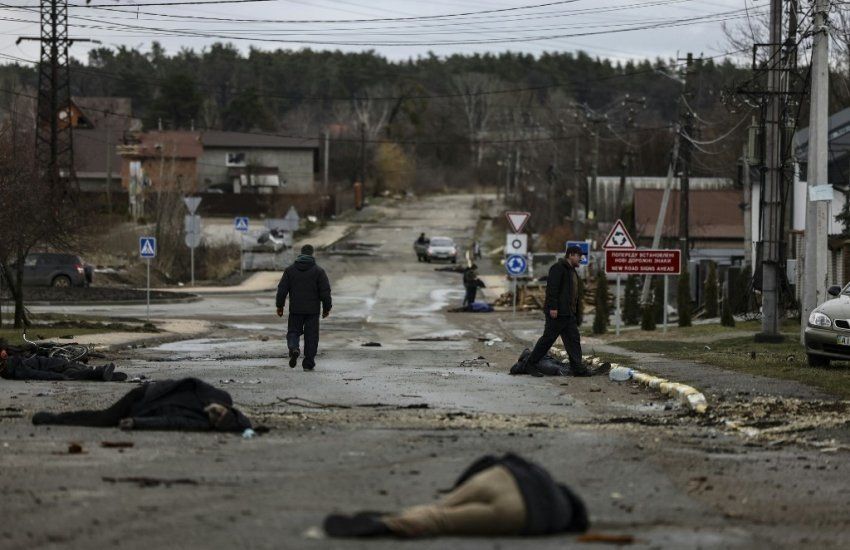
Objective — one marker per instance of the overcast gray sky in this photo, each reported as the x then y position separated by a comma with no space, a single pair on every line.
622,29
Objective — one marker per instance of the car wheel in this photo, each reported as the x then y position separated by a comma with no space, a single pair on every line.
817,360
61,281
454,260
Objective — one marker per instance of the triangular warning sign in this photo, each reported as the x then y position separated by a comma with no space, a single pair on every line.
619,238
242,224
518,220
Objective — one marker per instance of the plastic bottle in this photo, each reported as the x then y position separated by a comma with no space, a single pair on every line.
620,374
248,434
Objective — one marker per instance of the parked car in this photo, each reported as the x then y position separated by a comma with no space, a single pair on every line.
827,335
55,269
441,248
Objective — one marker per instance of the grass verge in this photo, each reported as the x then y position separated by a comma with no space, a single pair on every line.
785,361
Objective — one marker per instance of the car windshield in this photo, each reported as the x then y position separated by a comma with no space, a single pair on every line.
441,242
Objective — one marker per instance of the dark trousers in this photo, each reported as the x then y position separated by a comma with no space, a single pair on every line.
471,291
308,325
96,419
567,329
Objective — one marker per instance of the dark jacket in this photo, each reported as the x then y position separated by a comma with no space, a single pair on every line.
561,291
179,404
548,365
307,286
17,367
550,507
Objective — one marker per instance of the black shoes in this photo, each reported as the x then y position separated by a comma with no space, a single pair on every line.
308,367
364,524
293,357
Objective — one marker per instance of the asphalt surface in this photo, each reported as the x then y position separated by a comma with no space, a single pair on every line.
383,427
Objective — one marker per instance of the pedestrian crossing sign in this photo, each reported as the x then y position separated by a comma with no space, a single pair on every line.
147,247
240,223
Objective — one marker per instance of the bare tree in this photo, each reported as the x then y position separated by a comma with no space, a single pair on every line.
34,213
478,102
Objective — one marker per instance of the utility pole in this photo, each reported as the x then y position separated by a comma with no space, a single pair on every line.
686,149
596,120
628,152
815,255
53,132
327,153
363,155
108,167
772,182
577,182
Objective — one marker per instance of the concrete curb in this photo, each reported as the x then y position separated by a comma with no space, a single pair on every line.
687,395
185,300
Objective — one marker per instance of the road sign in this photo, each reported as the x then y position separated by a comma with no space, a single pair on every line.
643,262
192,229
585,250
518,220
516,243
516,265
619,238
240,223
147,247
192,203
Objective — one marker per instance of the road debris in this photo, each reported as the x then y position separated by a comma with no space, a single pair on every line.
75,448
117,444
371,345
144,481
606,538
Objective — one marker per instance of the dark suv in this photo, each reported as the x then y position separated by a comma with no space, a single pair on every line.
59,270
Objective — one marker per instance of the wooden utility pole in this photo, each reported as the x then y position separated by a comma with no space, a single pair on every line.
109,151
327,153
772,182
816,250
686,149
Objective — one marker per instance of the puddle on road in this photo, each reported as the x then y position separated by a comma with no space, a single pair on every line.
439,298
254,326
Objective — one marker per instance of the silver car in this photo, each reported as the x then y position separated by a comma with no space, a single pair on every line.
827,335
441,248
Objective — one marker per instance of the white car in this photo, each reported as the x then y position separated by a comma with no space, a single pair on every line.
441,248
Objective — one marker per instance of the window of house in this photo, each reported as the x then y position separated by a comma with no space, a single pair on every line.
235,159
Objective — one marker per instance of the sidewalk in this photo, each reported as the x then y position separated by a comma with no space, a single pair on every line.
182,328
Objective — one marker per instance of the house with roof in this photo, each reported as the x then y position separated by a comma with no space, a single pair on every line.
99,125
240,162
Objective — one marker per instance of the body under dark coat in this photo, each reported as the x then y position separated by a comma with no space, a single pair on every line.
164,405
36,367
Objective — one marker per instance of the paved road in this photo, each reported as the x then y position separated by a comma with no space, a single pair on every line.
390,426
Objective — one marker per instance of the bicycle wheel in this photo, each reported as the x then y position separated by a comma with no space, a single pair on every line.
71,352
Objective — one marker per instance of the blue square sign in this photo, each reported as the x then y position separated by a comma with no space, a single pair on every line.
240,223
585,250
147,247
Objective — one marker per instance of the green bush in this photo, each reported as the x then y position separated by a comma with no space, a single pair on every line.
631,303
726,318
647,320
683,298
600,318
710,288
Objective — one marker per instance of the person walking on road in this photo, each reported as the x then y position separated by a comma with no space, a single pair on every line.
307,286
563,314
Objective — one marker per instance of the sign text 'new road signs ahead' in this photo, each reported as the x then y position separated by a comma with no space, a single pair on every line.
516,265
585,250
643,262
518,220
516,243
619,238
147,247
240,223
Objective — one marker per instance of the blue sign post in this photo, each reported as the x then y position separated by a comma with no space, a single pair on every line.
147,250
585,250
240,223
516,265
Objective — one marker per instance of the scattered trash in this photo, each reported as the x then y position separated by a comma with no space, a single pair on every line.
434,339
620,374
616,496
492,341
707,348
371,345
116,444
479,361
352,379
595,389
248,434
143,481
314,533
75,448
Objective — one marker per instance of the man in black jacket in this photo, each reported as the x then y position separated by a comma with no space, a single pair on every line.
563,314
308,288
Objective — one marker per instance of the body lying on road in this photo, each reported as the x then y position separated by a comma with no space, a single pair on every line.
19,367
184,404
505,496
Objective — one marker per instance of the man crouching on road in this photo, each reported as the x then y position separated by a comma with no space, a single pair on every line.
563,313
308,287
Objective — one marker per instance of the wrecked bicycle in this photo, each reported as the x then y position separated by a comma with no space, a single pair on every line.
71,351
